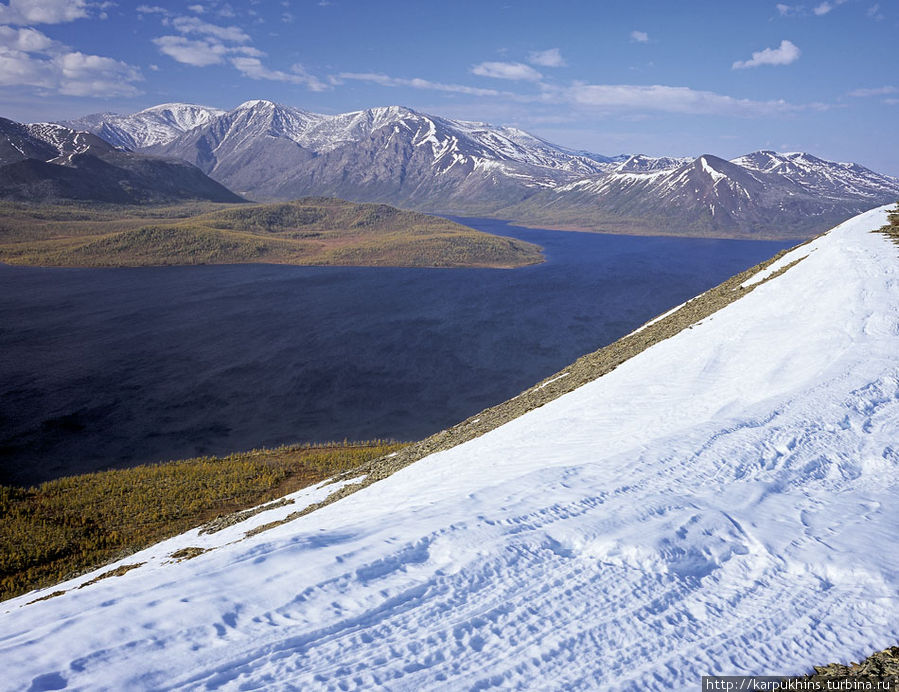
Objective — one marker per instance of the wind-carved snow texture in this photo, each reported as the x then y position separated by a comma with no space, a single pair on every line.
722,503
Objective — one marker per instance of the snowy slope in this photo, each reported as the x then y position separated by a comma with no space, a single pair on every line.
154,125
722,503
817,176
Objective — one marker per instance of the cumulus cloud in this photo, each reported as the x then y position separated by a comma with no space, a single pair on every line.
667,99
784,54
32,12
415,83
199,53
29,58
28,40
547,58
507,70
213,43
639,37
200,43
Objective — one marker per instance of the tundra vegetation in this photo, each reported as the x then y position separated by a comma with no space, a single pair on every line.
72,525
309,231
892,227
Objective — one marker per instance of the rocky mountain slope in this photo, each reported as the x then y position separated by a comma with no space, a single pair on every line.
720,503
398,156
50,162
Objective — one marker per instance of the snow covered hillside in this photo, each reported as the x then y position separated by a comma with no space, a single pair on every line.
722,503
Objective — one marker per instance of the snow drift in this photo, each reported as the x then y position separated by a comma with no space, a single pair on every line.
722,503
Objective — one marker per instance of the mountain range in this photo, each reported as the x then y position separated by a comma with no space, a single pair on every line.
48,162
267,151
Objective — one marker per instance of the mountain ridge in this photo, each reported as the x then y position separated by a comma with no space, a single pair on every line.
399,156
47,162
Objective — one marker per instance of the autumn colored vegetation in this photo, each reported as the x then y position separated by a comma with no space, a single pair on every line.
892,227
309,231
71,525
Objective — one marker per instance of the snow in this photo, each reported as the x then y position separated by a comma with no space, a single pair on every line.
155,125
722,503
789,258
716,176
820,177
660,317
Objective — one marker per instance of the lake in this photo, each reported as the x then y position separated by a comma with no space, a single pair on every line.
103,368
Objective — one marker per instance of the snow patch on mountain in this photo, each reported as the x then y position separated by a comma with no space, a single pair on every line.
154,125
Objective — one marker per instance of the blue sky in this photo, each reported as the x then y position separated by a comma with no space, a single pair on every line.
677,78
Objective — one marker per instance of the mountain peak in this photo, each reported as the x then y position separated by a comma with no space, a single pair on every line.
256,103
641,163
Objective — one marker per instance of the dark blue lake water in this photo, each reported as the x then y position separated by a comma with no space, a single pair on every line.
105,368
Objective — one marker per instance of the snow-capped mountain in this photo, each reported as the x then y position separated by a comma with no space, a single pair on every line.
155,125
721,503
48,162
825,178
640,163
398,156
758,195
45,142
267,150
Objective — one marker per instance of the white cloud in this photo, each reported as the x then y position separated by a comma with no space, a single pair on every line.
415,83
790,10
507,70
152,9
94,75
547,58
875,13
199,53
215,45
664,98
254,69
639,36
878,91
784,54
195,25
42,11
198,9
826,7
29,58
27,40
